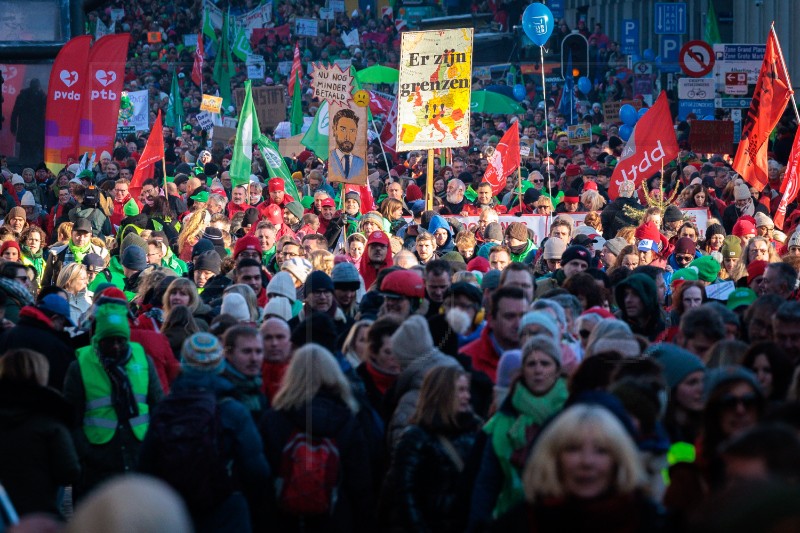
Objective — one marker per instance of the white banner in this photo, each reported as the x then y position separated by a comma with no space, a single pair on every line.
257,18
138,117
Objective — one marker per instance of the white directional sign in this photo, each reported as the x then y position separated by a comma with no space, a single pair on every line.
696,88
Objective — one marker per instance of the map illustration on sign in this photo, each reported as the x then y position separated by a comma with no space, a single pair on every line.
434,90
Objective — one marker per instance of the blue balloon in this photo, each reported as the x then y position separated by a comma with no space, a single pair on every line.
642,111
584,85
708,117
537,21
648,54
519,92
628,115
625,132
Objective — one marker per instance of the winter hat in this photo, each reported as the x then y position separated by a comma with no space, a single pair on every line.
279,307
726,374
10,244
456,260
507,369
677,362
134,258
202,245
530,196
296,209
740,190
345,276
93,262
683,274
27,199
715,229
274,213
210,261
673,214
251,216
412,341
318,281
111,320
756,269
731,247
540,318
574,252
18,212
248,242
741,296
299,267
132,239
276,184
554,248
794,240
203,352
282,284
353,196
685,246
707,268
491,280
413,193
571,196
761,219
518,231
624,344
16,179
746,225
494,232
130,209
572,170
235,305
648,231
478,264
616,245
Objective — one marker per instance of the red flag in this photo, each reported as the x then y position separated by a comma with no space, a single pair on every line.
504,160
389,132
379,104
101,94
365,193
770,97
791,181
199,58
652,143
64,93
153,152
297,69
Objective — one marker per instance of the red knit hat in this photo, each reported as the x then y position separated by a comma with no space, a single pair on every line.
648,230
413,192
10,244
479,264
589,186
248,242
746,225
276,184
756,269
573,170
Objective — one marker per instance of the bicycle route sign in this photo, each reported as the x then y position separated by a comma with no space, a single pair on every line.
696,88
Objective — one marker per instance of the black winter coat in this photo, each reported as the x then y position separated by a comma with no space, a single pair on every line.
424,487
36,451
327,416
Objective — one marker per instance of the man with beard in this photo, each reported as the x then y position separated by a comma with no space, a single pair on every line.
454,200
345,130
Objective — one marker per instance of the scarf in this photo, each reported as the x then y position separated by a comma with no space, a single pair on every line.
272,376
79,253
381,379
247,389
121,389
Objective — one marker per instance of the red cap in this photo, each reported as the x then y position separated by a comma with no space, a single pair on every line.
601,311
378,237
248,242
589,186
327,202
479,264
276,184
274,214
406,283
756,269
413,192
746,225
573,170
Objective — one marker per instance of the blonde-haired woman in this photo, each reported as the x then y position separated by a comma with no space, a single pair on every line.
183,291
74,279
191,231
584,474
322,260
315,404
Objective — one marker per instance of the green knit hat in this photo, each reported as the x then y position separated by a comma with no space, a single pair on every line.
111,320
707,268
130,208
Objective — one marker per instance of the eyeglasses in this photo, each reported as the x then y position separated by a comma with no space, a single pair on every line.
731,401
24,279
684,258
290,254
538,181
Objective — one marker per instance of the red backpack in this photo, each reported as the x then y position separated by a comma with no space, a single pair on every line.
308,475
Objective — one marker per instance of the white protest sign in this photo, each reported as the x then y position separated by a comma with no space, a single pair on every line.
204,120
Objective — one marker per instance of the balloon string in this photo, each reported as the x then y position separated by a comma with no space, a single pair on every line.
546,139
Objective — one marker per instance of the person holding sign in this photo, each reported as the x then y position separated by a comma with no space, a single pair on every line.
342,160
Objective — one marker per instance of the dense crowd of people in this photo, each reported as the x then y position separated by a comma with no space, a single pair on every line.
252,360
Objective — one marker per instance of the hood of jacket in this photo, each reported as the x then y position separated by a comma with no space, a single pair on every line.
645,287
437,222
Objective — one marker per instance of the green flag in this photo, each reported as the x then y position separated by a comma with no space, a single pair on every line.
297,107
711,33
223,67
241,44
247,134
208,27
276,166
316,138
174,115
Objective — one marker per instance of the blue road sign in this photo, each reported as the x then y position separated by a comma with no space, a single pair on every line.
733,103
670,18
700,108
670,47
557,8
630,36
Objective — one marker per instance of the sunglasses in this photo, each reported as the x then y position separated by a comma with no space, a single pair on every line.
731,401
684,258
538,181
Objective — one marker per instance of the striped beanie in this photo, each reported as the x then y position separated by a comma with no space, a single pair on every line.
202,352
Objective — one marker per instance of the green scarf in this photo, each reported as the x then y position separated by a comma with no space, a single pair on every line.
79,253
509,433
36,260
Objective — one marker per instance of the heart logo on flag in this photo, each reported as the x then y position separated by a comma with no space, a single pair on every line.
69,78
105,77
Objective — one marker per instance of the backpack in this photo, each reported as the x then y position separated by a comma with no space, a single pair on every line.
308,475
187,432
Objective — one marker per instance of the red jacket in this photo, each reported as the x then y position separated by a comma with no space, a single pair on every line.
483,354
118,214
233,208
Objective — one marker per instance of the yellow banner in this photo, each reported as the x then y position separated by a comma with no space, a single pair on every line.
212,104
434,91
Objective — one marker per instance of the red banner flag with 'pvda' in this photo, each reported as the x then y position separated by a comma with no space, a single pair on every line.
101,94
651,144
504,160
770,98
64,98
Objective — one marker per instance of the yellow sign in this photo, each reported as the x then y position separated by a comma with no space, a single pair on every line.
434,89
212,104
361,98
